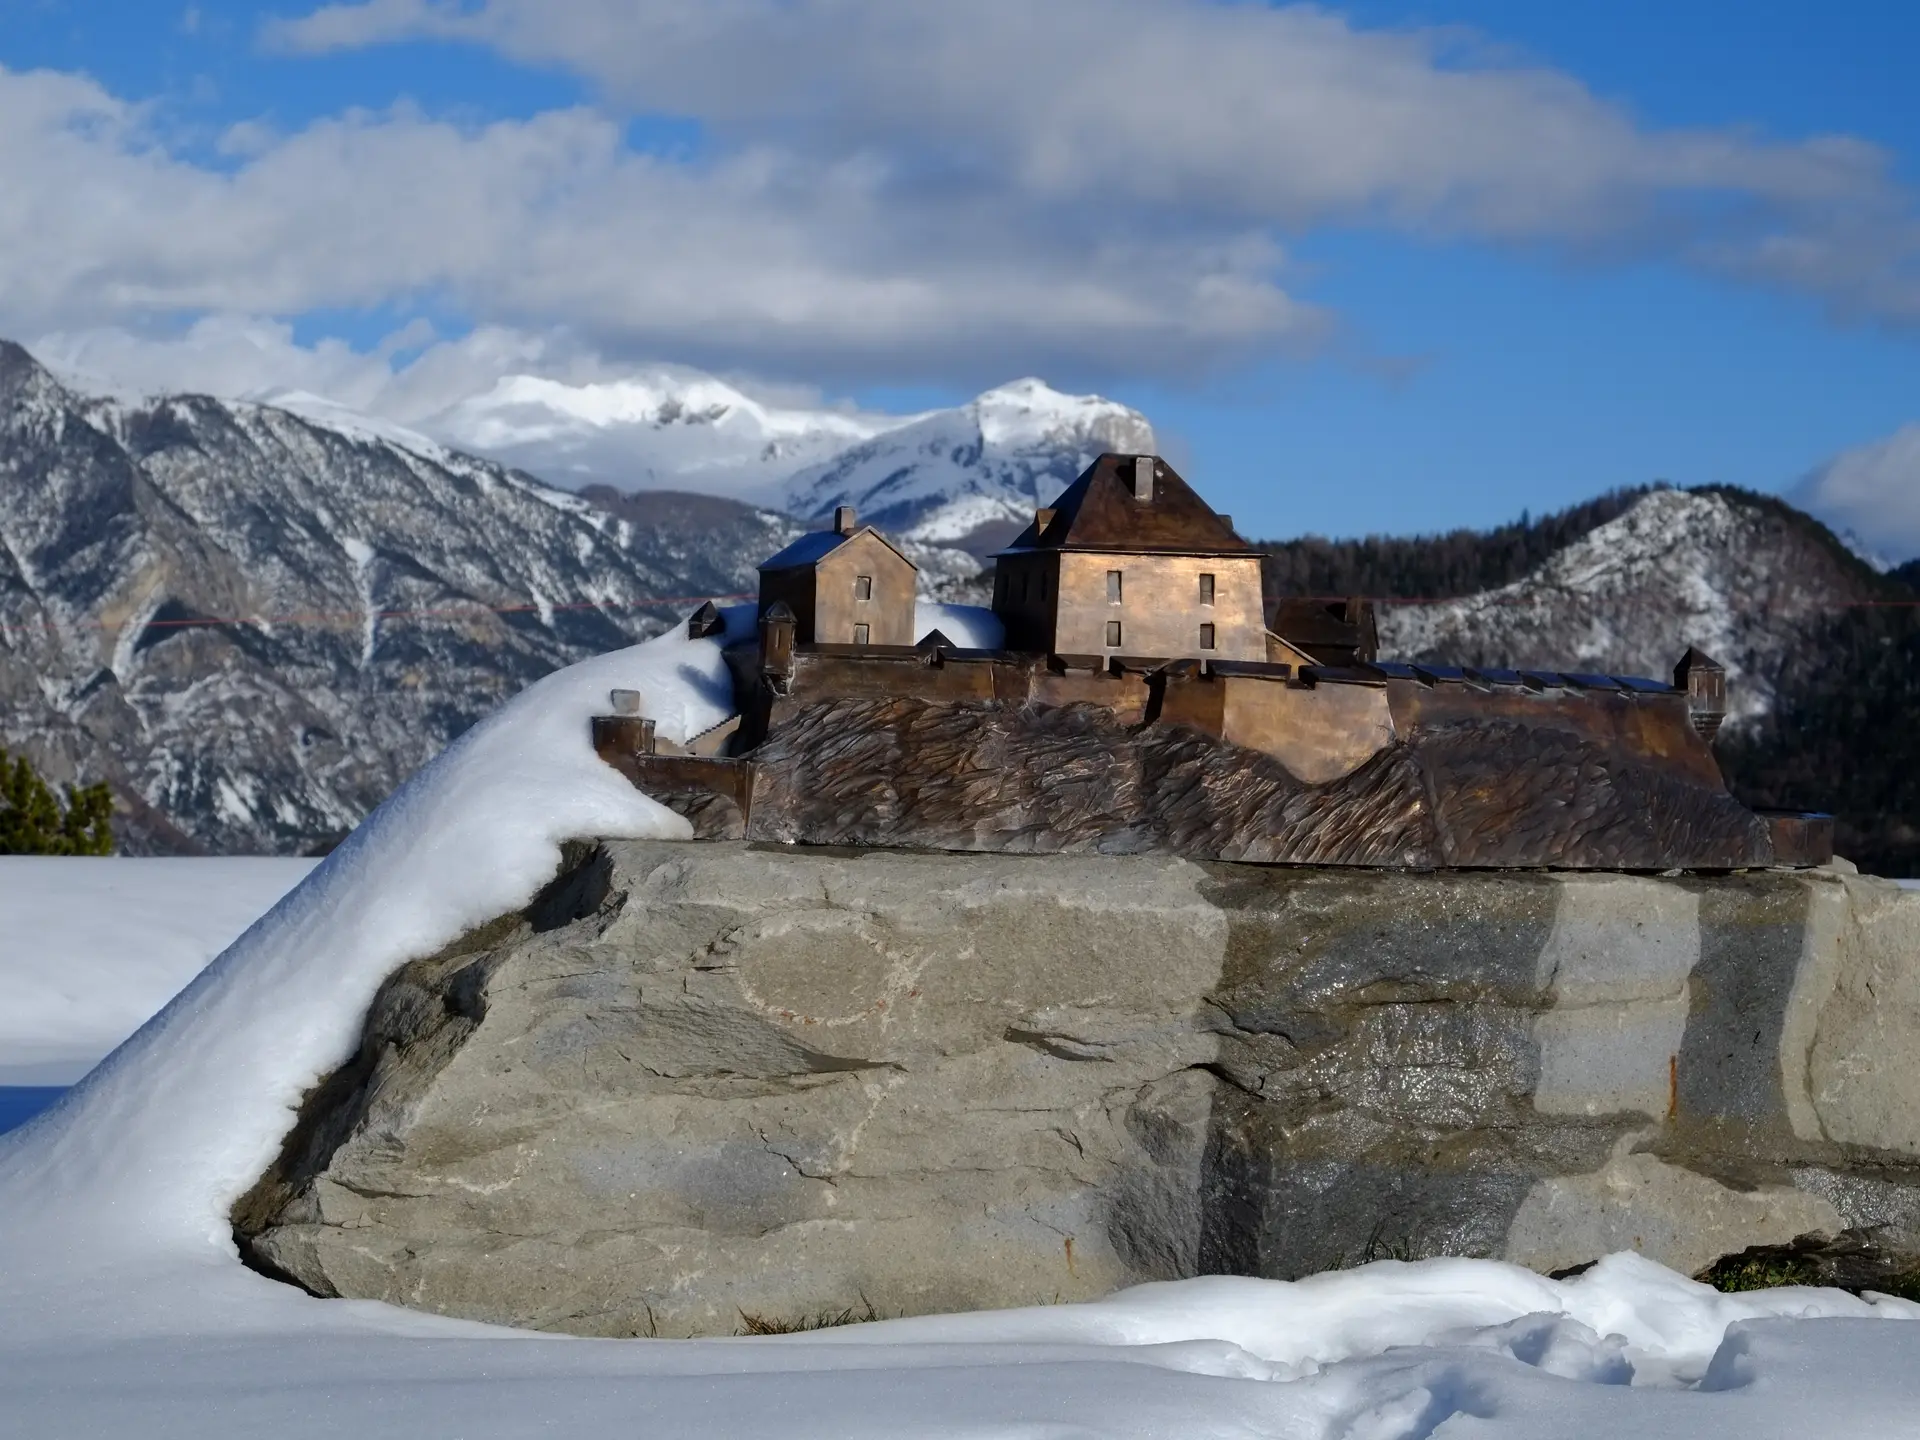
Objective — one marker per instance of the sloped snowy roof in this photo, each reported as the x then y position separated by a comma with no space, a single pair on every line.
809,549
816,545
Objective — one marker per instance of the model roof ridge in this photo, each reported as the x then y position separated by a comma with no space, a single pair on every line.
816,545
1133,504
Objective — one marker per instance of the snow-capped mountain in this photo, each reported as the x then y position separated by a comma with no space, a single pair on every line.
1742,578
253,625
661,428
968,476
971,476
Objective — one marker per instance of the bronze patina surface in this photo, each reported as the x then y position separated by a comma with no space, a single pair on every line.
1221,735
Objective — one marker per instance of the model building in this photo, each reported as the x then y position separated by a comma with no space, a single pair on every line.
1146,698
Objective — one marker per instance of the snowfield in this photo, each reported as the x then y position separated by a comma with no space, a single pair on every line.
90,949
127,1312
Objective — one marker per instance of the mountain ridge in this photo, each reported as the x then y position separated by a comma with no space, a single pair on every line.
253,627
968,475
253,623
972,476
659,428
1626,582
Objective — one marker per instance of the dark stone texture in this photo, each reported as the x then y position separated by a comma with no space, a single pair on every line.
1751,937
1381,1051
1001,776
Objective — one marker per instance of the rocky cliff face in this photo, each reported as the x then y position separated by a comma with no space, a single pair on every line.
254,625
699,1082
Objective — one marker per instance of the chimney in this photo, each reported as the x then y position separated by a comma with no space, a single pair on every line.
625,733
845,520
1143,477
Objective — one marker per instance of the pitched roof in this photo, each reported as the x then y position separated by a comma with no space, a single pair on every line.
816,545
1099,512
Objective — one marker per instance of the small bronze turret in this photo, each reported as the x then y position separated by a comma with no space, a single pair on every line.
1705,681
706,622
776,645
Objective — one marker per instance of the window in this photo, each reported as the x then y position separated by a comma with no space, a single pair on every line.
1206,637
863,587
860,633
1206,589
1113,587
1113,633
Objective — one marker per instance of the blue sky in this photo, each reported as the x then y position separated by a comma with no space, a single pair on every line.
1410,362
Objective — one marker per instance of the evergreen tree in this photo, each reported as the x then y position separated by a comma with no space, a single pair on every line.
34,822
1841,738
1433,567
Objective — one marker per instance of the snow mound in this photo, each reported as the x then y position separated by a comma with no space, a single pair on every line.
1626,1320
98,945
179,1120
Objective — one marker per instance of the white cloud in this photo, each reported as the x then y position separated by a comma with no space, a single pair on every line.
1871,494
245,357
412,377
544,402
958,193
1149,115
552,221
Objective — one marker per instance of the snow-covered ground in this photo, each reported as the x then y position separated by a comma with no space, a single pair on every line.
127,1313
90,949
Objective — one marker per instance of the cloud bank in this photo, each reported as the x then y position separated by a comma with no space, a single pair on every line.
886,187
883,190
1871,494
1090,121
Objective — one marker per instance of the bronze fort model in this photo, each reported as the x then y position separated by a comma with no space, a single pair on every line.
1146,700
